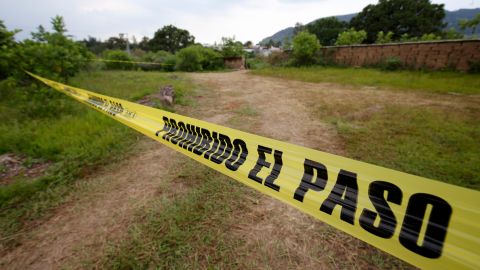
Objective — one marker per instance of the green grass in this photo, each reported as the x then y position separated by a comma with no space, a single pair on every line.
42,124
427,141
183,228
247,111
436,82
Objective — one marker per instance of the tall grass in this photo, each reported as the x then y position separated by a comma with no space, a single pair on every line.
422,81
41,124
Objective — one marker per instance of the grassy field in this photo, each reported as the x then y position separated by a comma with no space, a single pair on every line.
45,126
436,82
431,135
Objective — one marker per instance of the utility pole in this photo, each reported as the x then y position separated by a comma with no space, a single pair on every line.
128,43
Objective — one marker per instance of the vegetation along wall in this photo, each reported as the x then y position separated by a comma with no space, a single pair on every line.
459,55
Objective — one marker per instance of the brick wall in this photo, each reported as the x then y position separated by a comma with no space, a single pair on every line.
234,62
426,55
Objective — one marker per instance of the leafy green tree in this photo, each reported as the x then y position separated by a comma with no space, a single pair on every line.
7,50
52,54
116,43
198,58
287,43
452,34
118,55
383,38
429,37
144,44
412,17
473,23
248,44
94,45
159,57
171,39
58,24
305,45
327,30
231,48
351,37
299,27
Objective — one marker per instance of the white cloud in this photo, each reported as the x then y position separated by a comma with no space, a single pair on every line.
207,20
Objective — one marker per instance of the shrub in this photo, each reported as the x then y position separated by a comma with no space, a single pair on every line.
429,37
392,63
473,66
305,45
7,50
50,54
198,58
278,59
170,62
383,38
257,62
117,55
231,48
159,57
351,37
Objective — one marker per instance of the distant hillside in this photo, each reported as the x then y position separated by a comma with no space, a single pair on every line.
451,18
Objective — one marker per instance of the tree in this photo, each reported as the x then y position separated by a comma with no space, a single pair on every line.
7,52
287,43
305,45
171,39
299,27
248,44
197,58
143,45
231,48
327,30
116,43
473,23
58,24
412,17
94,45
383,38
351,37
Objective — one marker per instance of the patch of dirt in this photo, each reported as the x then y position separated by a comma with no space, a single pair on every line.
101,214
13,167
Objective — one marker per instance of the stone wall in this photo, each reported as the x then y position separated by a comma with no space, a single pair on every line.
456,54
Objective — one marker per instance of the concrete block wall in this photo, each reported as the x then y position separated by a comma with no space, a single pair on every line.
434,55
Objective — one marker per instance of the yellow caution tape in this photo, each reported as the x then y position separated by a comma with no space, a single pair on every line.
427,223
130,62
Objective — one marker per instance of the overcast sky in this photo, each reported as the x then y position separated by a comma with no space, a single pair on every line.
207,20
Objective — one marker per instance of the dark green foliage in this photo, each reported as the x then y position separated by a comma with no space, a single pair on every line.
472,23
351,37
94,45
50,54
278,59
170,39
7,50
451,33
231,48
305,46
327,30
159,57
198,58
474,66
117,55
391,64
414,18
